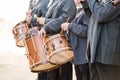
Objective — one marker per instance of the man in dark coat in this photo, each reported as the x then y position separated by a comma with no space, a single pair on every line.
77,33
56,15
103,45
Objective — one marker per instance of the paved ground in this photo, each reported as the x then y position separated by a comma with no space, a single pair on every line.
14,66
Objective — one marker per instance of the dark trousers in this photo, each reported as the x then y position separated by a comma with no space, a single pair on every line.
42,76
82,72
99,71
66,71
50,75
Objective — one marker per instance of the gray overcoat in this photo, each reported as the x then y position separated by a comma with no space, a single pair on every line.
104,32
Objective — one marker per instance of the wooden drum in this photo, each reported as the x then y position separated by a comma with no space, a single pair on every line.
19,31
36,52
58,49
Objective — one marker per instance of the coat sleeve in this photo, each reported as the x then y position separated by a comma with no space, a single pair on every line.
80,29
34,22
47,20
68,10
39,11
104,12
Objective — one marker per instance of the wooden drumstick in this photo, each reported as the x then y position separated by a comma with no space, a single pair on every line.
68,19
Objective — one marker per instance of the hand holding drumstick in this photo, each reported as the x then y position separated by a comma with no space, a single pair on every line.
64,26
116,2
41,20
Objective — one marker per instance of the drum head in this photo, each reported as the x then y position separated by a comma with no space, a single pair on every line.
61,57
43,67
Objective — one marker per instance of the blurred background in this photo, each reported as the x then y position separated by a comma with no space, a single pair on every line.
12,12
13,62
